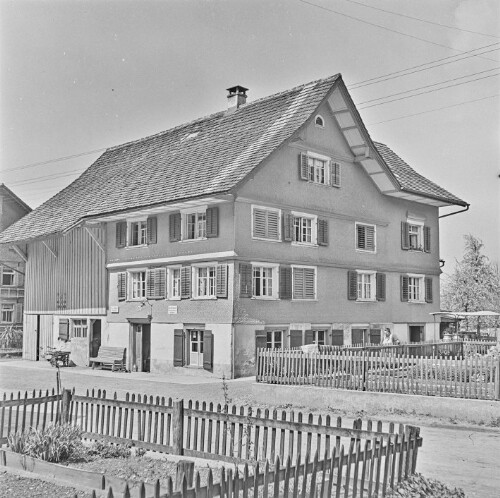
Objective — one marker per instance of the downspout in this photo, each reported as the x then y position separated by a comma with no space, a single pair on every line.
456,212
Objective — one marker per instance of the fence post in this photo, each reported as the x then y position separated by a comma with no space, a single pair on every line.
497,381
184,469
178,427
66,402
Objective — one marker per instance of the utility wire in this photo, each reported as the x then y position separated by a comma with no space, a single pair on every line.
45,178
431,85
428,91
382,27
433,110
421,20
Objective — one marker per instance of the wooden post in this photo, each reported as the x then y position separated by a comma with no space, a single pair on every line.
497,381
66,403
178,427
184,469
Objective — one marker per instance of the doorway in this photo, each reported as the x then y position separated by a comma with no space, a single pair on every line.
416,333
37,351
359,336
95,342
196,347
140,347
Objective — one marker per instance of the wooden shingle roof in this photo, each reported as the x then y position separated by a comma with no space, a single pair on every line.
209,156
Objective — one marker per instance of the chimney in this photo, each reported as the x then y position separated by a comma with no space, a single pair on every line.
236,97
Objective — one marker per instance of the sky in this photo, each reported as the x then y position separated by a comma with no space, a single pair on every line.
78,77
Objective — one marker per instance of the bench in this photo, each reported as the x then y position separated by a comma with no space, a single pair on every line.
110,357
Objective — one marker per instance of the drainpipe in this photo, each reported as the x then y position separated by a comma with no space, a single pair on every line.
456,212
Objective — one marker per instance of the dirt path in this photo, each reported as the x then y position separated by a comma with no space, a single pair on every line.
461,457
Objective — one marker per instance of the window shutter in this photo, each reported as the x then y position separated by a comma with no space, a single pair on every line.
405,236
427,239
186,282
273,225
309,283
156,283
303,167
298,283
18,313
380,286
64,329
285,282
221,289
334,174
259,223
295,338
152,229
288,229
428,289
212,222
370,238
121,234
208,350
178,348
309,337
174,227
260,341
337,337
322,232
375,336
404,288
150,283
122,286
360,237
352,285
18,277
245,280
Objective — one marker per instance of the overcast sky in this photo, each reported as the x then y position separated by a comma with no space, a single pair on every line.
81,76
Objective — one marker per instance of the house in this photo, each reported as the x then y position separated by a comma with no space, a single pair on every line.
12,208
273,223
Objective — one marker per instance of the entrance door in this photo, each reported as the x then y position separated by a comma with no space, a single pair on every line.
358,336
196,348
140,347
95,342
416,333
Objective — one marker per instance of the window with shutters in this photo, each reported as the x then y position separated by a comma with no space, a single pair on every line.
138,233
7,276
319,169
318,337
137,285
305,228
195,225
415,236
266,223
303,282
174,282
365,237
416,288
264,281
366,286
7,313
204,281
79,327
274,339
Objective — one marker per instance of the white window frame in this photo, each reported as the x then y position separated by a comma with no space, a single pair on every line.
315,332
195,276
171,288
80,327
358,249
266,208
326,171
144,229
130,284
419,225
197,211
295,267
8,308
362,276
421,288
10,272
314,228
319,116
274,280
272,335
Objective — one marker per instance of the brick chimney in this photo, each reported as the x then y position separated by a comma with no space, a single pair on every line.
236,97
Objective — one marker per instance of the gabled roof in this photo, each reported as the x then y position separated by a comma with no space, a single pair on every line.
209,156
4,190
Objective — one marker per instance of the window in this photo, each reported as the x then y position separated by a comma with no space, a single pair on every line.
262,281
319,337
366,286
205,281
319,121
415,236
319,169
79,327
365,237
415,289
8,313
304,229
274,339
138,233
304,282
137,288
195,226
174,282
7,276
266,223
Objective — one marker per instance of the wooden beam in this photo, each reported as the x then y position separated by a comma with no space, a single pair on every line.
49,249
20,253
94,238
346,128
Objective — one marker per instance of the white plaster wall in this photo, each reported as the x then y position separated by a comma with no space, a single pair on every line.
400,331
431,331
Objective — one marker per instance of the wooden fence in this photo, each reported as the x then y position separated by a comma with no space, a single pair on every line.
475,377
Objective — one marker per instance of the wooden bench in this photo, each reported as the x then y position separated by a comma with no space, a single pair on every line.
110,357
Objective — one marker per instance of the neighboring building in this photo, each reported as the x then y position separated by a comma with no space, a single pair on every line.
273,223
12,264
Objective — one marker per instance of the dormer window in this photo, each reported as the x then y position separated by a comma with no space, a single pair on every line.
319,121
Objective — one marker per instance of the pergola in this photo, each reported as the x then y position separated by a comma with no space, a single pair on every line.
456,316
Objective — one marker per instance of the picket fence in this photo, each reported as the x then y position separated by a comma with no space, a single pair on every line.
470,377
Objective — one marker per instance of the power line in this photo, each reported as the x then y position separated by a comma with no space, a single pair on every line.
429,91
382,27
45,178
433,110
431,85
421,20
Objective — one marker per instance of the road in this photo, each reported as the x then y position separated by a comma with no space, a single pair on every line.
463,457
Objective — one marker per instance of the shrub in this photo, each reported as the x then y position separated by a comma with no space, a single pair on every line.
11,337
107,450
56,443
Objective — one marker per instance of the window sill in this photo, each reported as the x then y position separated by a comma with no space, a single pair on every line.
366,301
204,298
194,367
173,298
136,247
192,240
304,300
266,240
264,298
135,299
418,302
368,251
304,244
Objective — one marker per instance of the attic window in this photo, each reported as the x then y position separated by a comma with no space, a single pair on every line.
189,136
319,121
